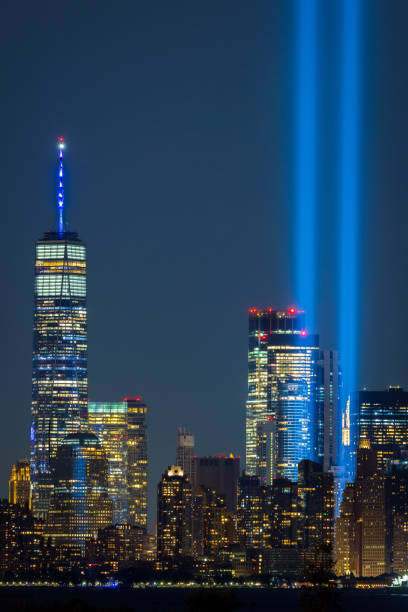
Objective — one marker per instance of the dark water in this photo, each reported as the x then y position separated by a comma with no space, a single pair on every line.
20,599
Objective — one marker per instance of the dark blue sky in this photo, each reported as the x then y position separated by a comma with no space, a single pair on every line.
178,118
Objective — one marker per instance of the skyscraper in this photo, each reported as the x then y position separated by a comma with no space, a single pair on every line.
383,420
137,460
185,451
109,422
20,484
282,383
122,430
79,504
59,374
219,474
316,505
174,518
328,409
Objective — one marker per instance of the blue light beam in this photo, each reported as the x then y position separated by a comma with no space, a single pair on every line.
349,203
305,147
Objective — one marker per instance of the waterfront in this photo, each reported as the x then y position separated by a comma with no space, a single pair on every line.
81,599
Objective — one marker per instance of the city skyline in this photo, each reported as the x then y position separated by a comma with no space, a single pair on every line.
145,256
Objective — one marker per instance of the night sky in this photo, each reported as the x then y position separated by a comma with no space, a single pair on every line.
179,123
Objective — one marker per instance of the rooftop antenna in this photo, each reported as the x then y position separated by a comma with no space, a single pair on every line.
61,146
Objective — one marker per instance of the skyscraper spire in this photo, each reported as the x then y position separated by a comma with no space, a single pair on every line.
60,185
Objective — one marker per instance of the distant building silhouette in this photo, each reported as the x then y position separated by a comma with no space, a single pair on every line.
219,473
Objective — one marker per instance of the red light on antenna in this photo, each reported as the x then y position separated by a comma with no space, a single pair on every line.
292,310
61,139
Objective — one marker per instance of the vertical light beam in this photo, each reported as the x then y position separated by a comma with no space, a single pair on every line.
349,202
305,147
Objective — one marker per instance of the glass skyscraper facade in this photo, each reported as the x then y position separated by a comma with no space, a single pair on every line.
109,422
59,368
137,460
382,420
282,385
79,504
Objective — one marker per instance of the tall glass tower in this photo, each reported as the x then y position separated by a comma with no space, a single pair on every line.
59,375
282,377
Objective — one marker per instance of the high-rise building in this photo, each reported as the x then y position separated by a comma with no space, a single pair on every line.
210,523
174,518
397,515
185,451
219,474
21,542
20,484
122,430
284,515
316,506
383,420
80,504
362,529
137,460
328,409
59,374
253,513
282,384
267,450
109,422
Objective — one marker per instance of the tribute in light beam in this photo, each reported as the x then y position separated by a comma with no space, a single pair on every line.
305,147
349,200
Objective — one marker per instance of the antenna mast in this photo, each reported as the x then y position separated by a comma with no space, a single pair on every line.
60,185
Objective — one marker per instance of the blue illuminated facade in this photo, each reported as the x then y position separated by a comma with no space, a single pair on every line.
79,504
59,367
282,385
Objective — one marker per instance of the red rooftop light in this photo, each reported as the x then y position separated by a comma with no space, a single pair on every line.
125,399
61,139
303,333
292,310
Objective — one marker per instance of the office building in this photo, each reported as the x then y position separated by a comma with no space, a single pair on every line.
253,518
21,543
117,545
80,504
362,529
284,515
20,484
328,409
122,430
210,523
383,420
316,508
219,474
267,450
282,384
174,518
185,452
109,422
59,367
137,460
